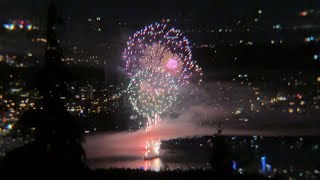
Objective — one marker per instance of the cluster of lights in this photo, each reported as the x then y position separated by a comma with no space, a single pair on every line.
309,39
12,111
309,12
19,25
9,26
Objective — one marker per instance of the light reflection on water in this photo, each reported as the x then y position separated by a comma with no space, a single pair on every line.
126,150
154,164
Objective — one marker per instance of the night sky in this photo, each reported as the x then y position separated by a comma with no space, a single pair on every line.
205,11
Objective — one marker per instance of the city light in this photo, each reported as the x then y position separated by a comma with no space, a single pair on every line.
303,13
263,164
9,127
29,27
9,26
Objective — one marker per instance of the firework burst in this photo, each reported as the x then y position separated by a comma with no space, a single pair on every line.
152,92
159,45
159,62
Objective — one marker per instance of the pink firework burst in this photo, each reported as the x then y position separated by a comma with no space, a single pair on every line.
172,64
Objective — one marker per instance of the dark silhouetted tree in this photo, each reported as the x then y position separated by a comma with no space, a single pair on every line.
221,157
57,147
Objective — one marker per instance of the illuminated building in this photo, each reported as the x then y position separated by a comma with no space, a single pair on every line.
263,164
